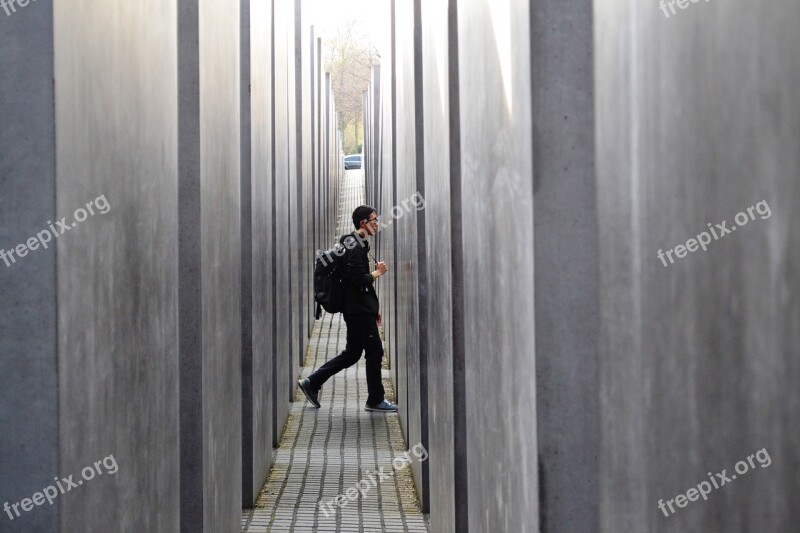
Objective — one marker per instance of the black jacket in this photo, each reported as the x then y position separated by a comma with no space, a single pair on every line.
360,295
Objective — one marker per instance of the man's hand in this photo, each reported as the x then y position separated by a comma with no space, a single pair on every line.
380,270
380,320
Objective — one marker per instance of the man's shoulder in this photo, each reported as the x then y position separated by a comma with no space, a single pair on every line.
351,241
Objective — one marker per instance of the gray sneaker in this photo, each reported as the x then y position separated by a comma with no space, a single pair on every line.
311,394
384,407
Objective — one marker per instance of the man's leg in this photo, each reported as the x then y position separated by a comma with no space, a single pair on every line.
374,358
346,359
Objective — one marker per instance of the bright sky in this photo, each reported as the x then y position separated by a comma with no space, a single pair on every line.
327,15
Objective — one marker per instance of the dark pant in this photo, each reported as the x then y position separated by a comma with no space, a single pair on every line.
362,334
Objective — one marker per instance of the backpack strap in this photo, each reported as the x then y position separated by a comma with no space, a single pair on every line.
349,239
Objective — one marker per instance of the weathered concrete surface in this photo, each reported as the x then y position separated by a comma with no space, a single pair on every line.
117,137
304,67
436,82
498,280
257,376
246,201
285,359
292,226
409,228
210,273
698,360
404,230
220,227
28,351
152,110
414,208
386,240
565,251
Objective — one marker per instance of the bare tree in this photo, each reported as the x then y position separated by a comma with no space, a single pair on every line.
350,58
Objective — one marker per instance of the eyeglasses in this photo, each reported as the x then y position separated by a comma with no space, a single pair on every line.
375,220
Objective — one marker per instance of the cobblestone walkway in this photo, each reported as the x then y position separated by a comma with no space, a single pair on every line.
324,452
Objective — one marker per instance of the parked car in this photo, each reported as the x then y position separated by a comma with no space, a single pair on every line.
352,162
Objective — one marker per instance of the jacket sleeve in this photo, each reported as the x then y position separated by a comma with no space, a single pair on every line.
354,266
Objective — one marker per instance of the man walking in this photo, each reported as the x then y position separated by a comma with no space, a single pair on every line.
361,311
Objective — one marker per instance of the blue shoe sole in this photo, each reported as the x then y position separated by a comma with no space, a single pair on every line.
378,410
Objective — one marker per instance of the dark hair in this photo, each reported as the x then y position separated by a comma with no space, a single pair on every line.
362,212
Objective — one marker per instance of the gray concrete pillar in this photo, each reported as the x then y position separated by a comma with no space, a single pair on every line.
697,122
293,226
210,260
249,491
495,264
565,244
284,163
116,105
439,73
407,231
29,448
258,374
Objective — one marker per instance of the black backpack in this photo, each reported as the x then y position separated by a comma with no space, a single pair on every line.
328,283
